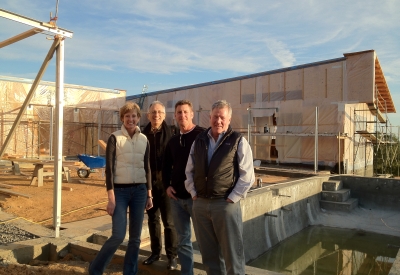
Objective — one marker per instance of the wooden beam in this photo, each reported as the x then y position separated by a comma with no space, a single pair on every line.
3,185
102,144
12,193
30,94
35,23
19,37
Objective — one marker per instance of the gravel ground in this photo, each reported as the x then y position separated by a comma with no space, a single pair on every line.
11,234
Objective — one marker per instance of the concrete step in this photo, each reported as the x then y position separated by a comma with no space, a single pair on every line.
341,195
88,251
332,185
346,206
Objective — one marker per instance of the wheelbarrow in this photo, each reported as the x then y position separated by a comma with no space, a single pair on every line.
91,162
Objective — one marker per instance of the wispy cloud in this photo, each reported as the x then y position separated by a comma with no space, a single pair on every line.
183,37
281,52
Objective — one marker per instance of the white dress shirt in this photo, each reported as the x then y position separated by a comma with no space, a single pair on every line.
246,169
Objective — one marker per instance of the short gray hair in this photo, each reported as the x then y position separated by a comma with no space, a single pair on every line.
154,103
220,104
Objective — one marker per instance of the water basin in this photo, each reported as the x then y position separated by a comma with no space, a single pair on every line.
325,250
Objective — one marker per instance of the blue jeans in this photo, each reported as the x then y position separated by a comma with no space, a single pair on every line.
181,213
219,231
135,198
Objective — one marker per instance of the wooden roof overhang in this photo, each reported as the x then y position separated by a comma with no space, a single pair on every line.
384,98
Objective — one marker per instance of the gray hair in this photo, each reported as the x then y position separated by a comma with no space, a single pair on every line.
154,103
220,104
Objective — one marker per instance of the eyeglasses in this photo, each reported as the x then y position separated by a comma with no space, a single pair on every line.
181,142
157,112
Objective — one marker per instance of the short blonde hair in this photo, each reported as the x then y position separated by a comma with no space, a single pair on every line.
128,107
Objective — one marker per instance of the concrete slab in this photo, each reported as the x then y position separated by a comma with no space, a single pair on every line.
348,205
378,221
395,270
341,195
332,185
75,237
300,196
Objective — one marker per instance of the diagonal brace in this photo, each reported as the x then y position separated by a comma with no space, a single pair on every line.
31,93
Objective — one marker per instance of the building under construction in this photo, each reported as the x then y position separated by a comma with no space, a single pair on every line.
321,114
90,114
330,114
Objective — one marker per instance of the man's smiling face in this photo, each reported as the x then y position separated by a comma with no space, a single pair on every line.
219,121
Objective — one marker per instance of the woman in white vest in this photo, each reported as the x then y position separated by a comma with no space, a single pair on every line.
128,181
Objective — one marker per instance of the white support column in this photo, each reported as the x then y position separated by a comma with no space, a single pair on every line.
99,121
58,157
316,142
248,125
339,138
51,132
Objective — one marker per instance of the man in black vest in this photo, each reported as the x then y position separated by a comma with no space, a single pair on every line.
175,159
219,173
158,133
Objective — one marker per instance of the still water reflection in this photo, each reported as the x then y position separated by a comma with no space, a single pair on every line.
323,250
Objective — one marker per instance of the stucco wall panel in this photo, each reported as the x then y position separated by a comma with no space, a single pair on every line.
294,84
314,83
334,83
262,88
277,87
360,77
248,90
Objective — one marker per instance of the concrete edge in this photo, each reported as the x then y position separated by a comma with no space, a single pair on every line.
395,270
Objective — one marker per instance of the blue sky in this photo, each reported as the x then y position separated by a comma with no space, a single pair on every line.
125,44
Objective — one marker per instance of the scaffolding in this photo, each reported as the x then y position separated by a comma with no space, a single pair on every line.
375,141
34,135
271,132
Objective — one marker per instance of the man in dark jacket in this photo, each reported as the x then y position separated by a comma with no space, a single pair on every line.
219,173
158,133
175,159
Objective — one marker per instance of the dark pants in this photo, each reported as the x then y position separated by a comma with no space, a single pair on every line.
161,205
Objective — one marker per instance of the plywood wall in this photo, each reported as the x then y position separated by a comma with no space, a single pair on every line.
84,110
292,97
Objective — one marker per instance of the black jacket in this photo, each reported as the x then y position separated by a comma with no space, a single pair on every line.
175,159
158,141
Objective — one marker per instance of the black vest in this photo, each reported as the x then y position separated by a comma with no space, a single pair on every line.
217,178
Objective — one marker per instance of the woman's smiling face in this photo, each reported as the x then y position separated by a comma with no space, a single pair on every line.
130,120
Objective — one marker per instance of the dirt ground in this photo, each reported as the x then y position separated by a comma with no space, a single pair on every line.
61,267
86,198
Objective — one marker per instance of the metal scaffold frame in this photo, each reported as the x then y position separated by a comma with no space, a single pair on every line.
376,137
316,134
35,135
58,48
